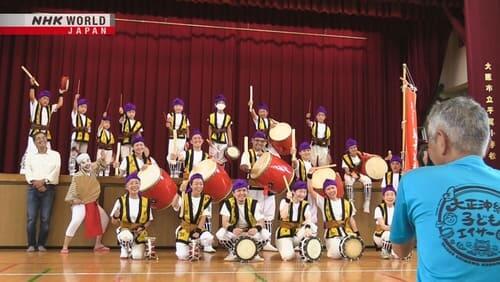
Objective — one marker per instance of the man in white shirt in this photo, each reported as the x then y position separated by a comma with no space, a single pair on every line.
42,174
241,215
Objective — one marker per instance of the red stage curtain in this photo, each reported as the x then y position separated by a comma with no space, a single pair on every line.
357,80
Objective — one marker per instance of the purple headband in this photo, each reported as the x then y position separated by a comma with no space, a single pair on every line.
196,131
396,158
177,101
220,98
263,106
137,139
350,142
259,134
329,182
43,93
239,184
321,109
387,189
299,185
129,107
304,146
82,101
131,176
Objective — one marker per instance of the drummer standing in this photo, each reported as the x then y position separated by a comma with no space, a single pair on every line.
266,198
338,215
81,131
351,163
177,120
321,135
241,214
192,205
296,223
263,122
392,177
303,172
219,130
138,160
130,127
40,115
105,142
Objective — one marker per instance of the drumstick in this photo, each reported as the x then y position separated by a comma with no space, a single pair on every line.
310,105
325,166
107,105
293,144
78,89
27,72
117,158
245,144
121,99
251,97
175,143
286,184
67,84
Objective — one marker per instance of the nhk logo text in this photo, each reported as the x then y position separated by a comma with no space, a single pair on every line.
76,24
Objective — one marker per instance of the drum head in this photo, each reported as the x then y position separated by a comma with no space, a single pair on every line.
351,247
313,249
320,175
149,176
376,167
246,249
206,168
280,132
233,152
261,165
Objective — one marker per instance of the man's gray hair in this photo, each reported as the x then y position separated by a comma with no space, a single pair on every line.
465,123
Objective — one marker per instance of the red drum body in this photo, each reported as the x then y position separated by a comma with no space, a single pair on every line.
217,182
281,138
157,185
269,169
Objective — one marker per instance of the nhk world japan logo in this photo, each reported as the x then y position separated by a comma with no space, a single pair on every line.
57,24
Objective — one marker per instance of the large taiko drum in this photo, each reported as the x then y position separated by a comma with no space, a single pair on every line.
157,185
217,182
281,138
319,177
374,167
269,169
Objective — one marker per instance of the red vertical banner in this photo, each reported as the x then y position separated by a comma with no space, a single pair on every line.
483,64
411,135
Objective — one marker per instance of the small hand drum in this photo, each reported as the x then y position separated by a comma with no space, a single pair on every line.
352,247
310,249
245,248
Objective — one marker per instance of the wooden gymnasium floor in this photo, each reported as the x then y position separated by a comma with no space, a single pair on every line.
84,265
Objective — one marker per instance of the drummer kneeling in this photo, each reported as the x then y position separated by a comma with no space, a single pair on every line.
295,216
241,216
192,218
338,215
133,213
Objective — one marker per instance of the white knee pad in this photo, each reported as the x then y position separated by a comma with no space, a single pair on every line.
138,251
206,238
333,248
221,234
182,251
285,248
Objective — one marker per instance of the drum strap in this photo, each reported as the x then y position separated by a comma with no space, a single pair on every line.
289,225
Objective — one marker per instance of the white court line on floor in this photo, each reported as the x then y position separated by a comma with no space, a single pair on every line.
204,272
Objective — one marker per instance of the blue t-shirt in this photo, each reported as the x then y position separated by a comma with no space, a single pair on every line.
453,210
